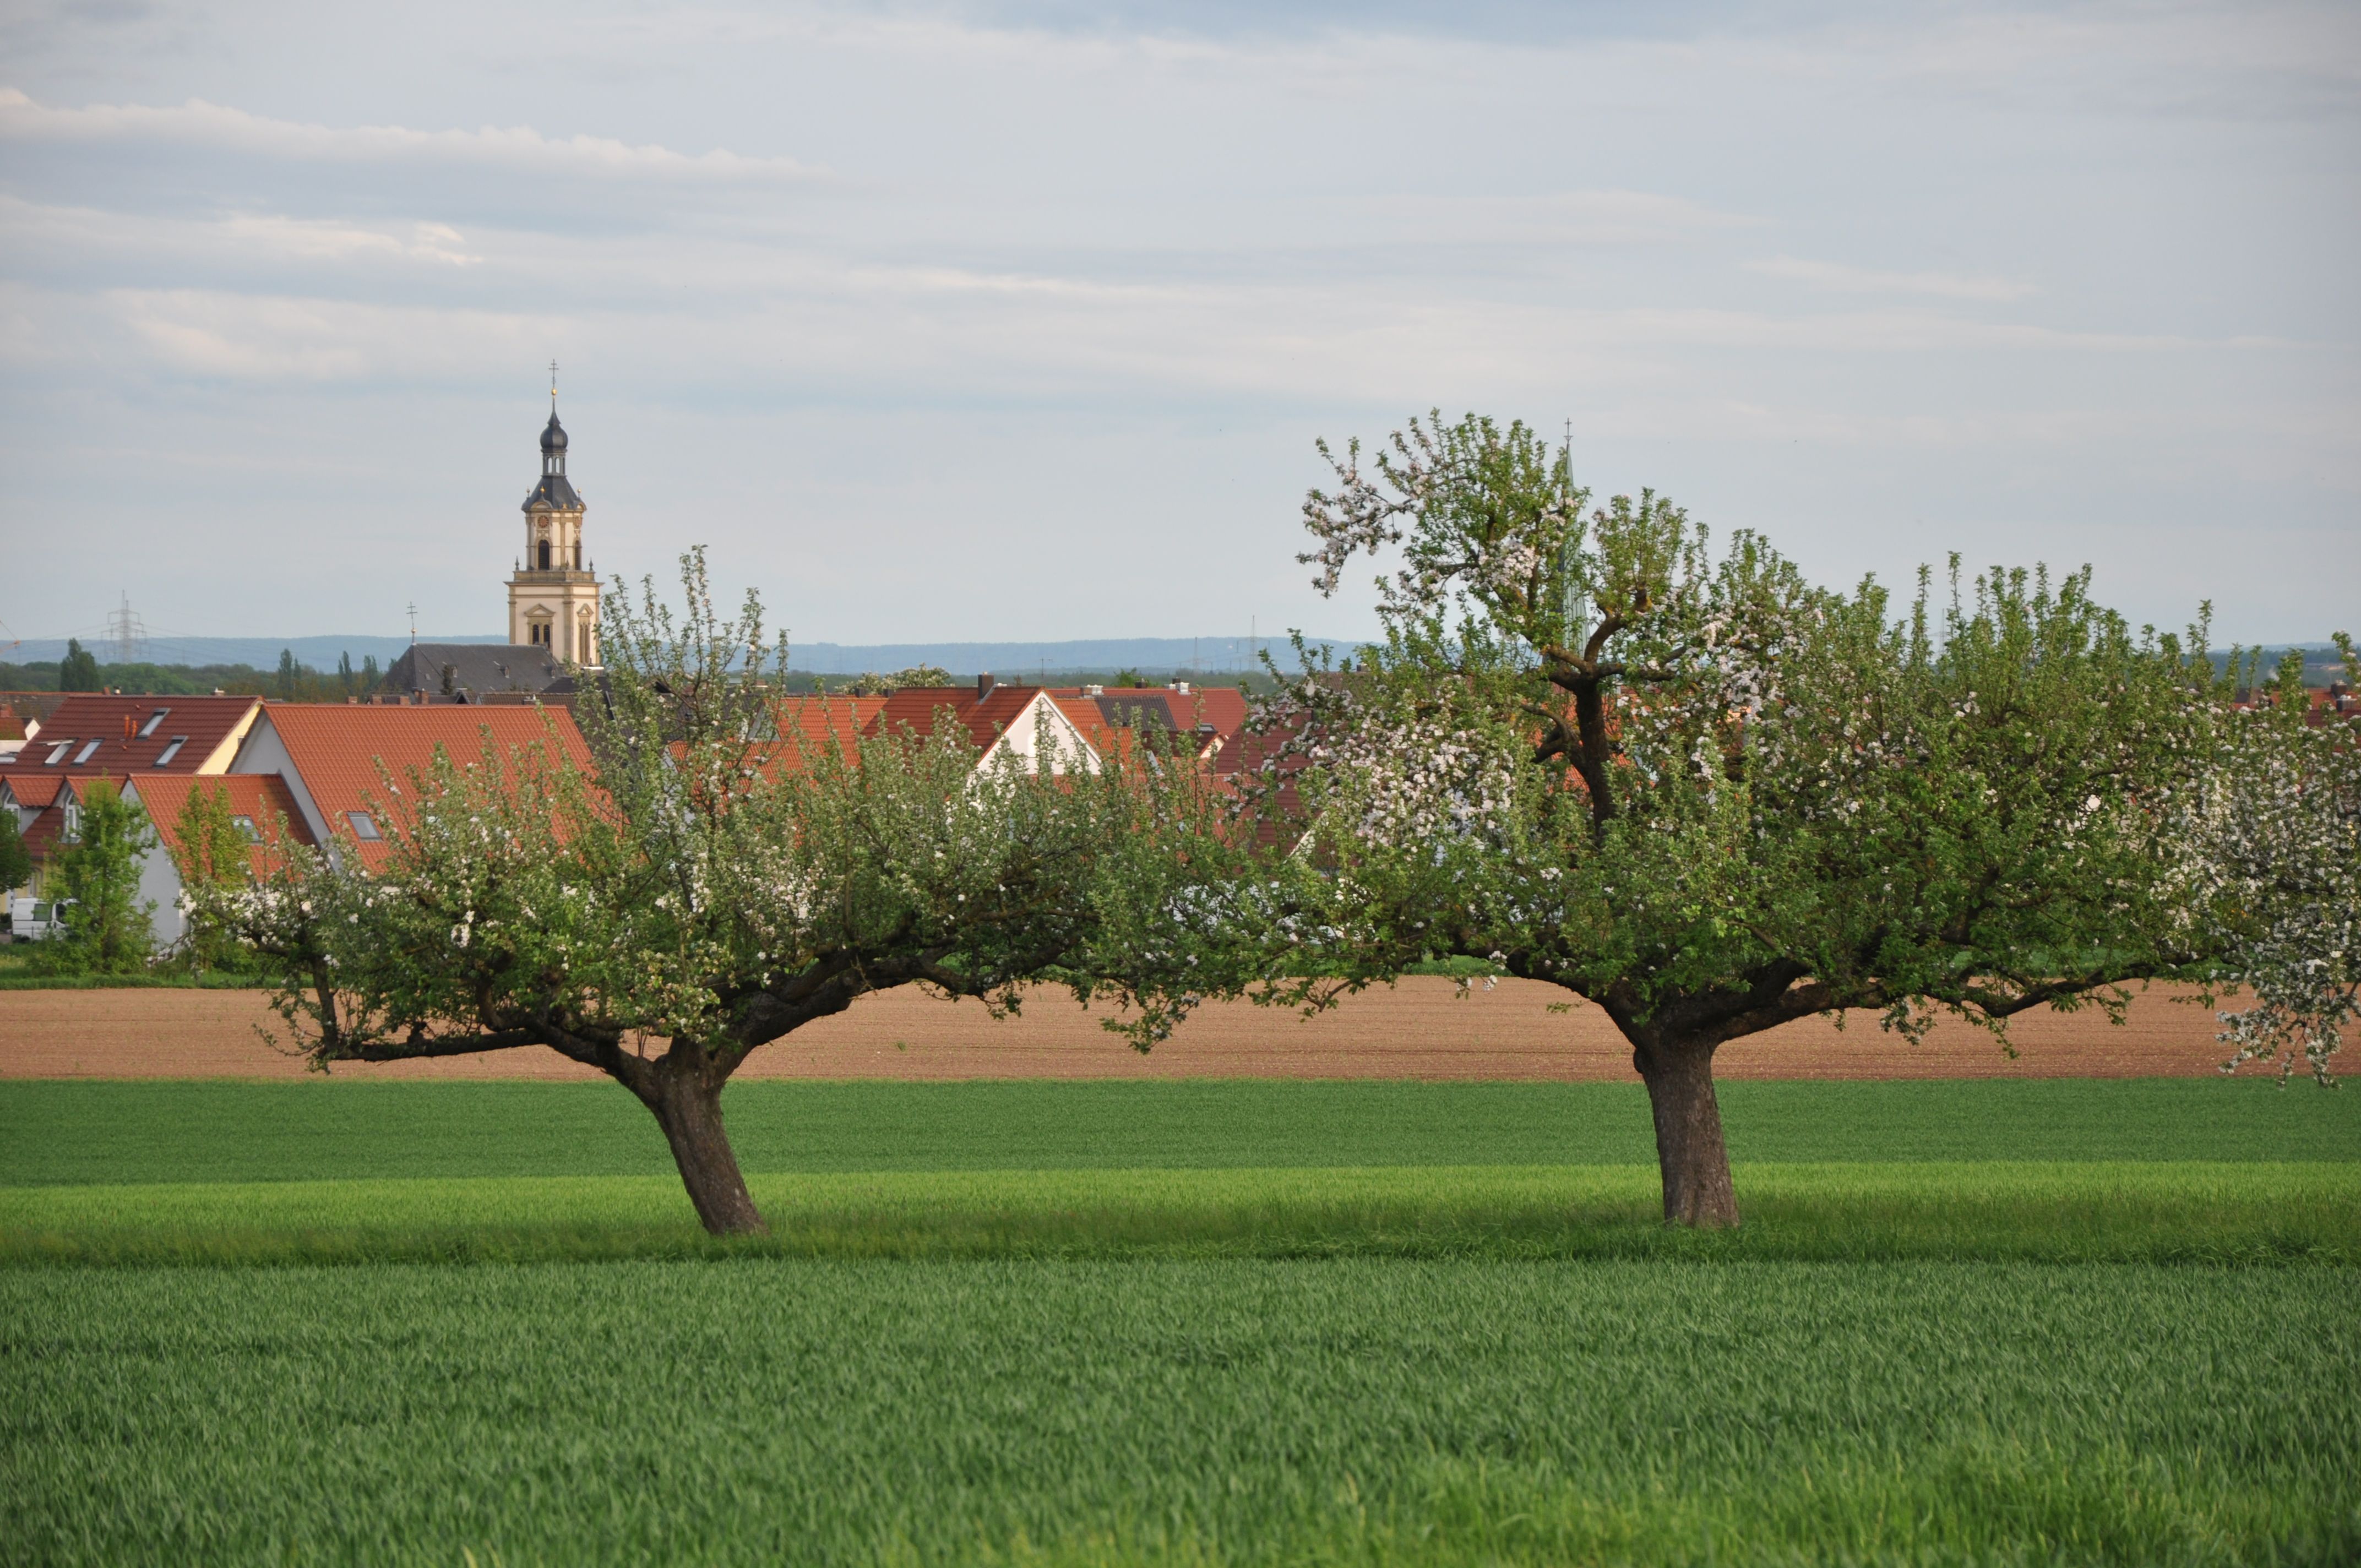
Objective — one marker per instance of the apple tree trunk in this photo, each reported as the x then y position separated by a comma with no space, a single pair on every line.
1690,1153
687,1105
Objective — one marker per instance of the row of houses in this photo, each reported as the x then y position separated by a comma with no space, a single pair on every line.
317,772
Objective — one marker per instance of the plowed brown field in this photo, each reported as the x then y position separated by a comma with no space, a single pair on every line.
1422,1029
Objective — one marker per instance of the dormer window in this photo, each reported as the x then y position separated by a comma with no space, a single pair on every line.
84,755
164,757
154,719
73,823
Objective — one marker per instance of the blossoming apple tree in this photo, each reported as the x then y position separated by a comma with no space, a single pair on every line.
721,879
1710,797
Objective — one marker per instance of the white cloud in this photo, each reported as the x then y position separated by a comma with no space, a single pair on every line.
1867,280
97,248
214,126
326,241
274,338
981,336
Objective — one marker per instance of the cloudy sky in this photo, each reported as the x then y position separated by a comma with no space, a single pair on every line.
1018,320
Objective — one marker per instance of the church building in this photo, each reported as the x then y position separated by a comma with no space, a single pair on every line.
552,608
553,595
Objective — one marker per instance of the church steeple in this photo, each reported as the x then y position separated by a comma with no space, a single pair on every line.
554,486
552,598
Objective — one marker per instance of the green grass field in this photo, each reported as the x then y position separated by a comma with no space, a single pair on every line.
1179,1323
110,1132
17,972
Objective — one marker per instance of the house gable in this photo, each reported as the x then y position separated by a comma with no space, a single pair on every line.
1000,720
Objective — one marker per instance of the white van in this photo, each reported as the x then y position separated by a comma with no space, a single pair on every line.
32,920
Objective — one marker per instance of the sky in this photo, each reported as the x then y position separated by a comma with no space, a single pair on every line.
1018,320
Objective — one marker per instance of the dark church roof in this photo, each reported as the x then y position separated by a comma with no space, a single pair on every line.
555,489
477,670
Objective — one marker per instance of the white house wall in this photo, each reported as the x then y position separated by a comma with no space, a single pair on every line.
1068,750
159,885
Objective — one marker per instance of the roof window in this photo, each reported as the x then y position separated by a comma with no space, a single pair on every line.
87,748
364,826
171,752
58,752
154,719
246,824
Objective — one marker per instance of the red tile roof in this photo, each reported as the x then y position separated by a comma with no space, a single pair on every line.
262,798
1084,715
205,726
31,789
829,716
916,708
1223,707
337,748
809,725
43,833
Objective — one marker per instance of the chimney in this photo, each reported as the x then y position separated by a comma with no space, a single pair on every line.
1181,687
127,729
984,686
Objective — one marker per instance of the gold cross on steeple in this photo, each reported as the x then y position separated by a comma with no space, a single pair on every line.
553,386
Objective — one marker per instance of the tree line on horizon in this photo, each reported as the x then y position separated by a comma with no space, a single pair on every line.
81,671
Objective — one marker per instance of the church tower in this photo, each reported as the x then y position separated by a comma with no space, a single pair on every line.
553,598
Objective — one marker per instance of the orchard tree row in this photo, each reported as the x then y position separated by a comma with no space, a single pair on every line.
1682,783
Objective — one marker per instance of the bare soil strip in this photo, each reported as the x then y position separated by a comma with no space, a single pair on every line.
1422,1029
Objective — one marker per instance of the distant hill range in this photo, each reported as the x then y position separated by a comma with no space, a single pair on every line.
1010,661
2321,663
